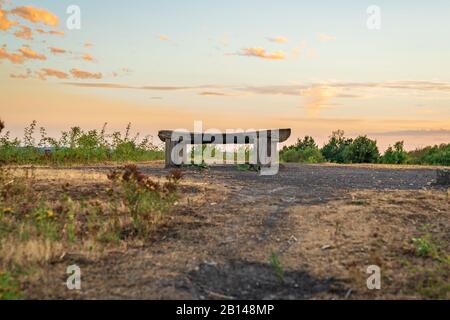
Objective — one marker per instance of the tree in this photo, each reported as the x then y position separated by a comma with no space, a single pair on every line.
307,142
396,155
2,125
337,148
304,151
363,150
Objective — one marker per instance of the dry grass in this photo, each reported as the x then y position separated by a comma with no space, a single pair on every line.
342,238
46,214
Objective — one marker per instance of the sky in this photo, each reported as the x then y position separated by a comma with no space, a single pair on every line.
313,66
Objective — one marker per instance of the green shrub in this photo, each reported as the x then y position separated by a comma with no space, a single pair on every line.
363,150
308,155
437,155
338,147
77,146
396,155
304,151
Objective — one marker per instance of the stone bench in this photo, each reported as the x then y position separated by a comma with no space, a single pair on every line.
266,138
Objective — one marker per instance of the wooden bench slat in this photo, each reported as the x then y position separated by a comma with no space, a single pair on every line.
207,138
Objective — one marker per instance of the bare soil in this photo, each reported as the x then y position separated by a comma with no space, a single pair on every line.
325,223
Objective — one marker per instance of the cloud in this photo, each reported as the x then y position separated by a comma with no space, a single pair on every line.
278,39
23,76
261,53
88,57
12,57
219,94
44,73
88,45
296,51
5,23
163,37
51,32
325,37
36,15
56,50
26,33
79,74
30,54
413,133
124,86
317,97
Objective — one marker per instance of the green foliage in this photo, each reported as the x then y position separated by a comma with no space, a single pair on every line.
304,151
363,150
338,148
76,146
396,155
423,246
308,155
436,155
147,200
9,287
277,266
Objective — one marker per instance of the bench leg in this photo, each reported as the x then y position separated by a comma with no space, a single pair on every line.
170,145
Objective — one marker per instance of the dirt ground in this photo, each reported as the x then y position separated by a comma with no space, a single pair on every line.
324,223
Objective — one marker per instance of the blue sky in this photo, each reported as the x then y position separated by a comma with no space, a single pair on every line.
326,71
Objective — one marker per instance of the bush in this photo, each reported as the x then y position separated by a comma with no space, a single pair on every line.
77,146
363,150
396,155
337,148
304,151
308,155
437,155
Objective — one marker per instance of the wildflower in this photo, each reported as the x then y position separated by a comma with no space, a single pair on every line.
50,214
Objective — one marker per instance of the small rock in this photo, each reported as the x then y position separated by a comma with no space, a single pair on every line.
210,263
326,247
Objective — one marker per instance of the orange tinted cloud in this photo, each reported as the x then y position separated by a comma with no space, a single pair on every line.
79,74
30,54
44,73
36,15
163,37
5,24
88,45
261,53
317,97
51,32
13,57
278,39
325,37
56,50
21,76
87,57
25,33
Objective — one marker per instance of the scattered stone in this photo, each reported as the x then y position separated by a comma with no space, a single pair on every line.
210,263
292,239
326,247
